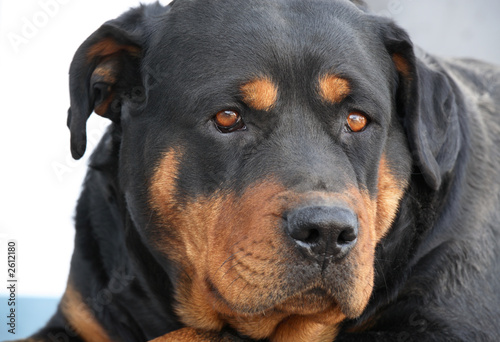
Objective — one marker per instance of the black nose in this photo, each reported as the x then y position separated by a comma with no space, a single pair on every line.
323,230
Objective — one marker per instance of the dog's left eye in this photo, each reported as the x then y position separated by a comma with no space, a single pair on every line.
228,121
357,121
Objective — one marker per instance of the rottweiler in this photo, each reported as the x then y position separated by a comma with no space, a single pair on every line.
284,171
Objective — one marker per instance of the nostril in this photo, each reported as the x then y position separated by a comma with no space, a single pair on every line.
346,237
312,237
304,233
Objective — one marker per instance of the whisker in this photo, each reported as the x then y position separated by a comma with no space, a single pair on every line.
232,256
383,276
243,289
227,287
238,261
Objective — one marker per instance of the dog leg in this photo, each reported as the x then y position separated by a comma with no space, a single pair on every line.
301,329
195,335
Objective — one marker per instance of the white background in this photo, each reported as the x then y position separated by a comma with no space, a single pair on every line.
40,183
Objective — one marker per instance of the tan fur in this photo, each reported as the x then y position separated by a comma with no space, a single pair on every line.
333,89
302,329
191,335
81,318
109,46
376,217
234,245
390,193
260,94
401,64
103,107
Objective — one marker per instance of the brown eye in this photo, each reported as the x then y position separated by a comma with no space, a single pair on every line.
228,121
357,121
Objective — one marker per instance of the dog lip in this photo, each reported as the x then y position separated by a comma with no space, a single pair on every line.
314,294
312,301
318,298
317,291
217,297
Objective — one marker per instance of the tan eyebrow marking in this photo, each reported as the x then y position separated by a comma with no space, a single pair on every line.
333,88
260,93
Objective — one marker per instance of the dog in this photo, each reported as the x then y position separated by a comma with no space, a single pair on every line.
281,170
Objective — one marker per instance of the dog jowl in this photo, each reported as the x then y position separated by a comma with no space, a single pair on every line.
261,157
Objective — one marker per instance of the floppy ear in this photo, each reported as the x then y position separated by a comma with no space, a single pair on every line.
103,69
428,102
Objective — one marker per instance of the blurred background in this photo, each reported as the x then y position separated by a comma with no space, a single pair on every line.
39,181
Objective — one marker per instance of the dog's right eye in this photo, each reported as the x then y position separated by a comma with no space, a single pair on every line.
228,121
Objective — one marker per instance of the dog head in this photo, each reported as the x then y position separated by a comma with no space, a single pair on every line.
265,149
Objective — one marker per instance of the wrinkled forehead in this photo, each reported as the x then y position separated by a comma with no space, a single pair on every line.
231,41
